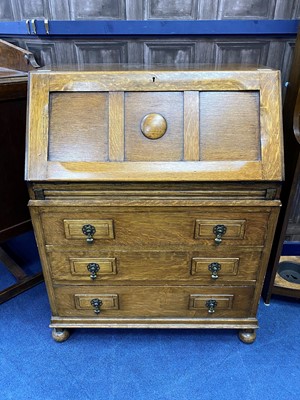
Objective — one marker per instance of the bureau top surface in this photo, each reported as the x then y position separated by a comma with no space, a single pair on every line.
130,123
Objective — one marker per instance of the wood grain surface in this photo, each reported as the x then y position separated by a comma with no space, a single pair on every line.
154,202
138,227
131,266
153,301
221,125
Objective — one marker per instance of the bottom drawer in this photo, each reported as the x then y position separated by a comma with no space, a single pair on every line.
154,301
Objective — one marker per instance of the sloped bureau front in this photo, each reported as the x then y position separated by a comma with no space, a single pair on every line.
154,201
90,125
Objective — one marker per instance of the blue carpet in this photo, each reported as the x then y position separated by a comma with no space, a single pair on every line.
144,364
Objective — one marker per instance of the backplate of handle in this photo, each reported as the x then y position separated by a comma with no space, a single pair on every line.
96,304
214,268
211,305
89,230
219,231
93,268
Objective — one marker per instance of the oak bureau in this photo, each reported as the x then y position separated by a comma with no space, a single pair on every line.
154,194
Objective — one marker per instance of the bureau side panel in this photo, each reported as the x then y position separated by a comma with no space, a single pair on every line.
39,236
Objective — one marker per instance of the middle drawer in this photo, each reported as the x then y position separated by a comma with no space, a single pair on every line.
208,266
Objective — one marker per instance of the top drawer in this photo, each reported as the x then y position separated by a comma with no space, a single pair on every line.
154,126
154,227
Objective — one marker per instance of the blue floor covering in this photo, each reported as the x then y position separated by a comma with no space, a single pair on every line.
143,364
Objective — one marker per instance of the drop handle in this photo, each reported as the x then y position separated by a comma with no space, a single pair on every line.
219,231
93,268
96,304
211,305
214,268
89,231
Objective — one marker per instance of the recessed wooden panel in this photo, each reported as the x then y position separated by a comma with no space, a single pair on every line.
38,9
109,301
169,53
110,52
95,9
104,228
240,52
78,266
78,127
45,52
229,266
176,9
229,126
235,229
198,301
169,147
247,9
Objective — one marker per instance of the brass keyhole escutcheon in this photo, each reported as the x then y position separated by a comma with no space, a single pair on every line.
153,126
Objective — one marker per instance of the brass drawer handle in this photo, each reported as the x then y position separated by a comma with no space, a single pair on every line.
89,231
214,268
93,268
219,231
96,304
211,305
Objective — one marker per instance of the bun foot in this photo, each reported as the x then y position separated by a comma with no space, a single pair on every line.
60,334
247,336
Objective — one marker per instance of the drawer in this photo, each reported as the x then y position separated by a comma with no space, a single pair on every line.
211,266
154,227
154,301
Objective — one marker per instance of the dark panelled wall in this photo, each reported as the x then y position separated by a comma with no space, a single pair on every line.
274,52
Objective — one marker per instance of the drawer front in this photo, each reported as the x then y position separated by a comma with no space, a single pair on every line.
154,301
159,228
208,267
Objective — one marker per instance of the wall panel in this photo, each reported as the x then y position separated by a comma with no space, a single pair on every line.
14,10
97,9
91,52
236,52
252,9
176,9
169,52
